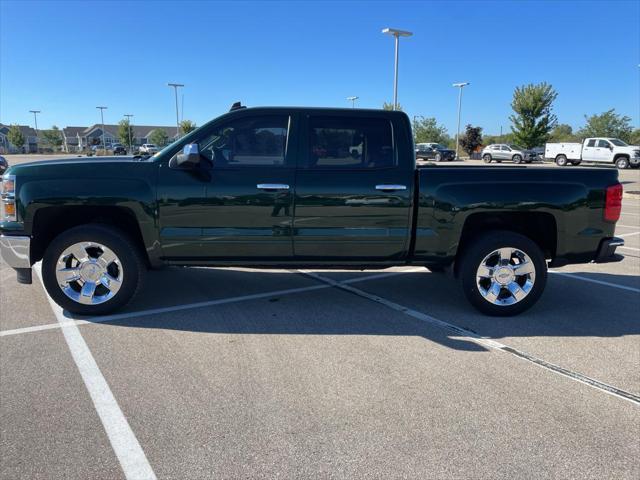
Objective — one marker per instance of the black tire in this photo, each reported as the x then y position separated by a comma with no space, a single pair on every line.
486,158
475,253
576,163
561,160
127,253
622,163
517,159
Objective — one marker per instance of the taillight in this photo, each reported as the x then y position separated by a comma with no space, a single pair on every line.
613,203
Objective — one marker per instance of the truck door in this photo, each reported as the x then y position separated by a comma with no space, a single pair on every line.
354,188
589,150
241,208
604,151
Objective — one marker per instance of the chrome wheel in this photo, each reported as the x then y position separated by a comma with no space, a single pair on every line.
89,273
505,276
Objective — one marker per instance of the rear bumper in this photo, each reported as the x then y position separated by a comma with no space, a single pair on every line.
607,251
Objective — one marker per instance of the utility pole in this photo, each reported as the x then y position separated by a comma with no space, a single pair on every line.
175,88
460,86
104,145
35,121
353,101
396,34
129,116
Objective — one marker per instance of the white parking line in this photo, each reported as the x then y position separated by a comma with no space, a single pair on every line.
628,234
189,306
630,248
132,459
626,226
487,342
593,280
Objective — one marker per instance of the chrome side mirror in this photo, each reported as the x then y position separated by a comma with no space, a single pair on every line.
190,155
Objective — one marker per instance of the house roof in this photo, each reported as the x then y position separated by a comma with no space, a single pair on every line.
26,130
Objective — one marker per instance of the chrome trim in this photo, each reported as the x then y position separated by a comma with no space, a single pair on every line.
15,251
505,276
391,187
616,242
273,186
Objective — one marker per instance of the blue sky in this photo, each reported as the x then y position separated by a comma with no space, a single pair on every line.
61,58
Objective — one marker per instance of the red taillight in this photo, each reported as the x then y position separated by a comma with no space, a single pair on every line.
613,203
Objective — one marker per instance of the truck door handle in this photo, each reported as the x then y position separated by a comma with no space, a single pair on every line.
273,186
390,188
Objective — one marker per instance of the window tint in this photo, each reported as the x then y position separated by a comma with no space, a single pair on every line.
591,143
603,144
247,142
338,142
495,147
504,148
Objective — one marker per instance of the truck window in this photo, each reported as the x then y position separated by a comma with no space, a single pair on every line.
254,141
603,144
591,143
340,142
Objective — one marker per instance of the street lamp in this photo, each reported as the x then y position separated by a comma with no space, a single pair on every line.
460,86
35,120
128,115
104,145
175,88
353,101
397,34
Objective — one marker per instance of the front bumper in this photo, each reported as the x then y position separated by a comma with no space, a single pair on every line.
15,252
607,251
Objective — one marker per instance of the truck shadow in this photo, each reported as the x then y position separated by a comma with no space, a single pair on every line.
569,308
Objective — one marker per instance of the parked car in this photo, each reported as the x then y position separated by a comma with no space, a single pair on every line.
148,148
599,150
3,164
507,152
212,198
434,151
119,149
539,153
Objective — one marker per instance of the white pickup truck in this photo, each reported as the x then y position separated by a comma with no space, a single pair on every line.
601,150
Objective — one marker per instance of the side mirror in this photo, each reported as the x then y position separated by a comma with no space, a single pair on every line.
189,157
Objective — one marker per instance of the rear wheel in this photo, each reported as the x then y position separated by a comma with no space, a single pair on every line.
503,273
486,158
561,160
92,269
622,163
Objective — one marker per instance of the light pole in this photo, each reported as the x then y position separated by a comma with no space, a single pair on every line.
353,101
128,115
175,88
397,34
35,120
460,86
104,145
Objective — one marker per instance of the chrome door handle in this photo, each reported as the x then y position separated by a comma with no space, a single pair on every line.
273,186
391,187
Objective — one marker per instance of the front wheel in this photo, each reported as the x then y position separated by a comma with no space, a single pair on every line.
622,163
503,273
486,158
92,269
438,157
517,159
561,160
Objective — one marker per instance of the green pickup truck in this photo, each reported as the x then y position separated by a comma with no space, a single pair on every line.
301,187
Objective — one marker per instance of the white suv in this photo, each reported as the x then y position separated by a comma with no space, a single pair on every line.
509,152
148,148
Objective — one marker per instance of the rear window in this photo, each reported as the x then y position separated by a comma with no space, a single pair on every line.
591,143
348,143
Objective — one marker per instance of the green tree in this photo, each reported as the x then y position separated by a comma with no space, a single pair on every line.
471,139
607,124
533,118
187,126
563,133
491,139
634,138
53,137
15,136
428,130
125,132
389,106
159,137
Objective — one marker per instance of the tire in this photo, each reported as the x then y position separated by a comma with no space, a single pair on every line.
486,158
492,295
561,160
622,163
438,157
517,159
123,274
575,164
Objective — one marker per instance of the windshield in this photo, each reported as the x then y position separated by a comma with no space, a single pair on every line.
618,143
437,146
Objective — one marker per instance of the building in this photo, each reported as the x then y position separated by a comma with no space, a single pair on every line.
30,140
80,138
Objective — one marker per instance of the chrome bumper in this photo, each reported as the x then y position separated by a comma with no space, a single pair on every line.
15,251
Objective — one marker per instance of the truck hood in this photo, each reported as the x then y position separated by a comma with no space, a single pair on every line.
71,165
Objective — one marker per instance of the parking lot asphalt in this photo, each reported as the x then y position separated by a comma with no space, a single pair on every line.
241,373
